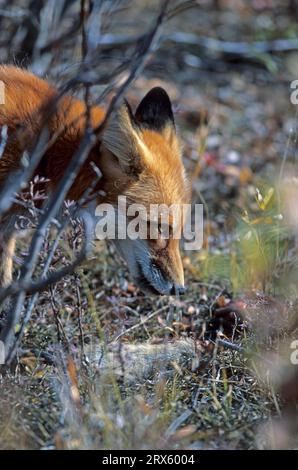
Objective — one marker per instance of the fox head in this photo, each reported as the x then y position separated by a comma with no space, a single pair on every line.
141,160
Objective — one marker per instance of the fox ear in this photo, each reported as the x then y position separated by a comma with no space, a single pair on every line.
155,111
121,138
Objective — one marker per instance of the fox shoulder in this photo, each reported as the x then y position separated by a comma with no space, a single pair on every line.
24,94
26,97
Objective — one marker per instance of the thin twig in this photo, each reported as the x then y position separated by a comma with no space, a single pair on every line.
142,322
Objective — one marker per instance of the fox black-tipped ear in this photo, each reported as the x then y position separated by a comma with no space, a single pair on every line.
155,110
121,138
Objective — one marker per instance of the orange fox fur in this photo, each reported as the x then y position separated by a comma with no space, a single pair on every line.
139,157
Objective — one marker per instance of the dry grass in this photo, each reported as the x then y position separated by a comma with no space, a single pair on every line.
56,398
220,398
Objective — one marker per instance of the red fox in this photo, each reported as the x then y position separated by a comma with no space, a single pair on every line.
138,155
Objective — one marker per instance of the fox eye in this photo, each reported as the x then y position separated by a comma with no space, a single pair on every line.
165,231
159,235
161,229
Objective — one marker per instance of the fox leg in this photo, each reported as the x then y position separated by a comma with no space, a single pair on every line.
6,258
7,249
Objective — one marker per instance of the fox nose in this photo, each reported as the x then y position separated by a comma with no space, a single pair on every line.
177,290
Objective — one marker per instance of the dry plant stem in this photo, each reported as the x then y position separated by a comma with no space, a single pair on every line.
59,325
3,140
228,345
141,323
15,311
80,315
35,297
